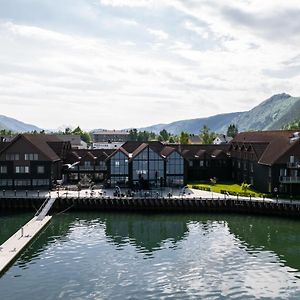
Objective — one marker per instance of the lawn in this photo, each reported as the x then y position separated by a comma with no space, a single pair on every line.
231,188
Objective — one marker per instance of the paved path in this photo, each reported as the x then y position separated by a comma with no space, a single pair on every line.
16,243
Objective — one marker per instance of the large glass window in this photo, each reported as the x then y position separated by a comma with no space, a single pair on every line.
119,164
149,166
175,164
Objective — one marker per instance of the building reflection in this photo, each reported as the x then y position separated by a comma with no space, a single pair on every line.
151,232
146,232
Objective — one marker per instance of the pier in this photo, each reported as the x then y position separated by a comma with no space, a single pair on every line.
11,249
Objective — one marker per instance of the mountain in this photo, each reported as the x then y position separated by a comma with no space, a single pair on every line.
194,125
273,113
15,125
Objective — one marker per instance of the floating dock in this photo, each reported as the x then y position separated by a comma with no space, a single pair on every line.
17,242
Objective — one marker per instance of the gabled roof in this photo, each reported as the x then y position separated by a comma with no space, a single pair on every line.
40,142
269,146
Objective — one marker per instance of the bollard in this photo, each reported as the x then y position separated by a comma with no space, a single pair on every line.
38,193
15,193
3,193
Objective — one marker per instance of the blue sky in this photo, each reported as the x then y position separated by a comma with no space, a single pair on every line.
132,63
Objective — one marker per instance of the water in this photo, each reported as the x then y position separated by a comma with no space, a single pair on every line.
145,256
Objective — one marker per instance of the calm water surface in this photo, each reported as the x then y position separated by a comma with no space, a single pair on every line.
136,256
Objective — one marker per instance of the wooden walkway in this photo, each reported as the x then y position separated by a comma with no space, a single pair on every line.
17,242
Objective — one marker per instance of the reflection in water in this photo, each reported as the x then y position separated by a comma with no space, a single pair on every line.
278,235
146,232
102,256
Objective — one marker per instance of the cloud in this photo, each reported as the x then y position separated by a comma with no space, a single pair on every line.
159,34
133,59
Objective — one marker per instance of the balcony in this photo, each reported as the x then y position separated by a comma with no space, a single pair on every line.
289,179
294,165
101,168
86,168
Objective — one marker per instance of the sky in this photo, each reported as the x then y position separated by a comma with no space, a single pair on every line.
132,63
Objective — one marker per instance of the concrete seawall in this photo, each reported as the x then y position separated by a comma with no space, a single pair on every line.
180,205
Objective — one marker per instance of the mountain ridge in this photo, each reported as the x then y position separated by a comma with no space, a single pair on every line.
8,123
273,113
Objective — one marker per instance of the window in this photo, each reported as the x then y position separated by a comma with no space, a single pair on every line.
22,182
40,182
6,182
119,164
31,156
22,169
201,163
12,156
3,169
40,169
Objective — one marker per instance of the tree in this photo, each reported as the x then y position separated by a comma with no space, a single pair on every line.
207,137
232,130
184,138
165,135
292,125
133,134
68,130
172,140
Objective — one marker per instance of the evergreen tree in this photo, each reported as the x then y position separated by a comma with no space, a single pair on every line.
133,135
232,130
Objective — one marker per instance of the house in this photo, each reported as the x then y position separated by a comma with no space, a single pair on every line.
146,165
222,139
32,161
194,139
75,140
206,161
268,160
82,163
109,139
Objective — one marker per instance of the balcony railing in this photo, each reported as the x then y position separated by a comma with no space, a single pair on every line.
97,168
294,165
289,179
86,168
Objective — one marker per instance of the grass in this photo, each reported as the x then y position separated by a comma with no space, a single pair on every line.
229,187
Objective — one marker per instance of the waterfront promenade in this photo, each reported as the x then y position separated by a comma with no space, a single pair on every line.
165,193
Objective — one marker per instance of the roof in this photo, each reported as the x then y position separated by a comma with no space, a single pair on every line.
201,151
111,132
270,146
85,154
75,140
43,142
194,139
223,138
